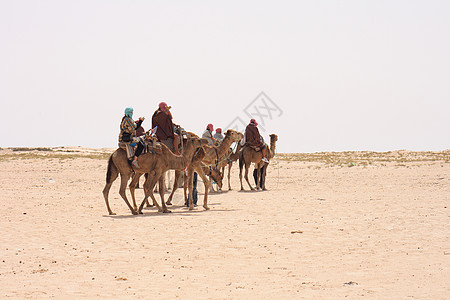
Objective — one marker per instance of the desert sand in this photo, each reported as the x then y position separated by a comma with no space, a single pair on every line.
330,226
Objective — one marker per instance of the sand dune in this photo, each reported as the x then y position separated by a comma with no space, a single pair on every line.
331,225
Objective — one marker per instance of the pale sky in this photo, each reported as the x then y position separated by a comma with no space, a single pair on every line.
344,75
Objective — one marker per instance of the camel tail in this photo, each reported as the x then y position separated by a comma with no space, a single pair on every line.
111,168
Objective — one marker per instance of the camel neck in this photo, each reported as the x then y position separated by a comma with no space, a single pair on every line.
185,159
273,147
224,146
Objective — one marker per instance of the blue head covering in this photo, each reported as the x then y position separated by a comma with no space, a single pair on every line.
129,112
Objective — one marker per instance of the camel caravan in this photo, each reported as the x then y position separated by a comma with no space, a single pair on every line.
167,146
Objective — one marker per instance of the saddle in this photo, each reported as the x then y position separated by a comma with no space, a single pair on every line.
256,148
151,145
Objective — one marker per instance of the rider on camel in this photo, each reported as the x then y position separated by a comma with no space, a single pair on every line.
253,138
218,135
207,134
128,132
162,118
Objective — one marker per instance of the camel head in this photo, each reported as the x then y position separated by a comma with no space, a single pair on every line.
234,135
273,137
216,176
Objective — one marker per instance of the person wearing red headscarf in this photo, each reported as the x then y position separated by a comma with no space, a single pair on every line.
253,138
218,135
207,134
162,118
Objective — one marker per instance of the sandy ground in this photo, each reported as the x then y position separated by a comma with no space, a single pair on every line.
331,225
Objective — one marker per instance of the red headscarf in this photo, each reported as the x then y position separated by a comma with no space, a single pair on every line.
253,121
219,130
162,106
210,127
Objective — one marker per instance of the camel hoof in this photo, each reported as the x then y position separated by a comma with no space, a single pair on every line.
112,214
167,211
141,213
134,212
168,203
206,207
191,207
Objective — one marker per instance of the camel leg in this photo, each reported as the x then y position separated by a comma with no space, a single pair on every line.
240,175
106,191
123,186
149,185
162,184
168,180
146,202
185,188
148,192
175,187
263,178
258,171
229,175
132,187
207,184
246,176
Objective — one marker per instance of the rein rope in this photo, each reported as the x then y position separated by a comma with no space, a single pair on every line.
226,157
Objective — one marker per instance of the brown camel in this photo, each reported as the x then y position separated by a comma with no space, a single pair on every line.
227,160
118,164
211,158
148,163
248,155
201,169
216,154
169,161
259,167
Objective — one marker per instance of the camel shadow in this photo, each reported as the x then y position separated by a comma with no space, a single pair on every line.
250,191
183,211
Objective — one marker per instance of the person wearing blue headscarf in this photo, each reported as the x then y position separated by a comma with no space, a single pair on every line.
128,132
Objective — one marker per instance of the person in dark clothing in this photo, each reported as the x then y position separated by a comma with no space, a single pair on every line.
162,118
253,138
259,173
139,130
194,191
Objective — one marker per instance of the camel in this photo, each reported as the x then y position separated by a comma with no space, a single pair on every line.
148,163
228,160
203,171
118,164
248,155
170,161
217,154
211,158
